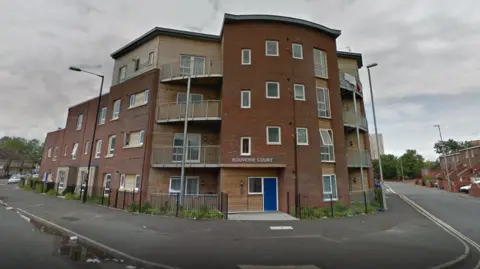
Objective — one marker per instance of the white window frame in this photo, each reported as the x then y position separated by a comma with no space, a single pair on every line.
108,179
61,181
297,45
278,89
267,42
126,140
301,88
249,139
74,151
121,185
279,135
116,109
146,94
151,58
87,144
324,143
122,73
103,115
111,151
254,193
249,52
79,121
326,196
132,100
196,68
55,149
65,150
325,102
137,180
298,129
320,65
188,157
171,191
49,152
249,98
98,149
141,140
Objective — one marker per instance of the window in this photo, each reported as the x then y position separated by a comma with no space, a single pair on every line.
116,109
191,185
132,100
246,99
195,98
61,179
54,153
134,139
193,147
87,145
65,150
122,182
246,56
323,103
297,51
139,99
271,48
79,121
74,151
186,64
145,96
137,182
49,152
103,116
326,148
320,63
302,136
273,90
108,180
151,58
122,73
98,149
255,185
299,92
245,146
273,136
111,145
329,187
137,64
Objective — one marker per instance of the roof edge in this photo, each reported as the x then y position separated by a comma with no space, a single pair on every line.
352,55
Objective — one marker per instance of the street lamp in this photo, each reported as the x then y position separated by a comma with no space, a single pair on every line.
76,69
444,156
382,184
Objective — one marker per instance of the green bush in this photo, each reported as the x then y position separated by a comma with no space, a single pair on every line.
202,213
133,207
146,207
27,188
69,196
28,182
39,186
52,192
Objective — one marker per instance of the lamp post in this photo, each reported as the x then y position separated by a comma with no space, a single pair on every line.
444,156
76,69
382,184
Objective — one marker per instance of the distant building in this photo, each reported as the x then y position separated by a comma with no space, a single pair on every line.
373,146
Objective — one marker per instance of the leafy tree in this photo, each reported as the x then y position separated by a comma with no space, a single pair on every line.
431,165
389,166
412,163
450,146
30,148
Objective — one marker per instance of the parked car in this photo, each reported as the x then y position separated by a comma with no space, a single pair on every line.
14,179
466,189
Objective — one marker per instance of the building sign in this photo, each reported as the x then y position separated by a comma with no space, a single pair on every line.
252,160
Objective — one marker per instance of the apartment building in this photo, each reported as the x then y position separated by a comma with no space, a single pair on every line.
376,153
271,99
461,166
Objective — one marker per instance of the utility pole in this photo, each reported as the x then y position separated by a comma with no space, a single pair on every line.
444,156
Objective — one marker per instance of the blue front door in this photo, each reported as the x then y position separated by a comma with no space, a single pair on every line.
270,194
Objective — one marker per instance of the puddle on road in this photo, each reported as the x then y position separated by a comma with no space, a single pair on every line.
88,257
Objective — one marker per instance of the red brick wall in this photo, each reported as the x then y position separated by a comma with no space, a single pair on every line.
52,140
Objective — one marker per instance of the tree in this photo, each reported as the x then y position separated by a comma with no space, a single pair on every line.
33,149
431,165
389,166
412,163
450,146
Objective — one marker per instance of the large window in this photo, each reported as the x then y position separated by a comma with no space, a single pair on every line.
273,89
122,73
108,180
79,122
255,185
193,147
271,48
138,182
55,150
297,51
103,116
246,99
61,179
274,136
323,103
111,145
134,139
116,109
49,152
195,98
320,63
129,182
245,146
326,148
191,185
246,56
329,187
299,92
186,64
302,136
74,151
139,99
98,149
122,182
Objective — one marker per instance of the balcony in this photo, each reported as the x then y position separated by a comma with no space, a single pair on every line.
346,86
349,119
210,110
205,72
356,159
197,156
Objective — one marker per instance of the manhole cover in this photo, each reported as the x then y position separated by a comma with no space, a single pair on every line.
70,218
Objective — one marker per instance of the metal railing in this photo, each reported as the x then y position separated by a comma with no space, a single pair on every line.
354,159
349,119
208,67
197,156
206,110
347,85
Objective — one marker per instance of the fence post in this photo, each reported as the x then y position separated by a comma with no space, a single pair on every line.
226,206
124,198
116,198
177,204
56,194
81,190
103,193
288,202
299,207
140,199
109,196
133,199
331,204
365,202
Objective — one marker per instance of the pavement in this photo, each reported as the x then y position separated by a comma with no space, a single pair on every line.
261,216
399,238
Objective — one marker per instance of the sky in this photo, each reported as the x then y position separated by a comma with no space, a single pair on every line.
426,53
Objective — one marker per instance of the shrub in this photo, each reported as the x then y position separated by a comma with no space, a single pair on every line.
27,188
68,189
21,183
69,196
133,207
146,206
52,192
28,182
39,186
202,213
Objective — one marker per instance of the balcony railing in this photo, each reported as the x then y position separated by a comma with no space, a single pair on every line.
349,119
354,159
345,84
205,68
203,111
197,156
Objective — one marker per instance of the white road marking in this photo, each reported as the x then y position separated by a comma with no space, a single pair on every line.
9,208
278,228
23,217
278,267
